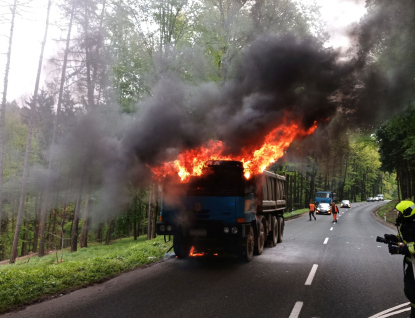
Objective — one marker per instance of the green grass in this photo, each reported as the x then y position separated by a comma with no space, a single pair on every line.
26,280
288,215
388,210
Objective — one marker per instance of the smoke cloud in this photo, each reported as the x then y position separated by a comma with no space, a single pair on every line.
280,78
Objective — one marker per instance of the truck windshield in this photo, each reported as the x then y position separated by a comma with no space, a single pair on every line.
217,181
323,195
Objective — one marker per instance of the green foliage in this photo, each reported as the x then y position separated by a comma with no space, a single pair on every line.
397,149
15,135
288,215
26,280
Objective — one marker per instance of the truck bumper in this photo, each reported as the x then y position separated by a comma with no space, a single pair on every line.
207,235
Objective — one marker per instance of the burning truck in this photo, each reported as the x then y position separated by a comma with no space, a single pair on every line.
221,210
219,202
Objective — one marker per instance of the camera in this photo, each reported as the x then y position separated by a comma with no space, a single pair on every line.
383,240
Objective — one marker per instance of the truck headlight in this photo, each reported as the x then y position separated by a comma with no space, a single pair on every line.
226,230
162,228
234,230
168,228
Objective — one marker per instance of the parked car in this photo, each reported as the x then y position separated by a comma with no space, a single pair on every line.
375,199
323,208
369,199
381,197
345,204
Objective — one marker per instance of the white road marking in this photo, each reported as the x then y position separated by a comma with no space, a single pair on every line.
311,275
391,309
395,313
296,310
326,240
331,229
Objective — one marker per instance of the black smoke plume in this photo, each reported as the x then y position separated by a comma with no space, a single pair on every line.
280,78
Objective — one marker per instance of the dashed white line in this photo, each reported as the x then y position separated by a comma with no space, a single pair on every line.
331,229
296,310
311,275
326,240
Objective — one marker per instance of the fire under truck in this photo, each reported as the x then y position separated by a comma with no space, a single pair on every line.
223,212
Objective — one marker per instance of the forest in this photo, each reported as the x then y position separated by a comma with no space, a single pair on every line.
135,83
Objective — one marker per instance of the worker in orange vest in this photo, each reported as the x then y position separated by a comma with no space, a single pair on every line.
312,209
334,210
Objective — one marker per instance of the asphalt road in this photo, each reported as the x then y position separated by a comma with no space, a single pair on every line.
320,270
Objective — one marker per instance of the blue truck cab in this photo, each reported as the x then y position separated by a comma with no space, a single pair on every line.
221,211
324,197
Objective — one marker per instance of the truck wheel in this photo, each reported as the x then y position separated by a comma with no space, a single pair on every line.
247,253
273,234
281,224
260,239
181,246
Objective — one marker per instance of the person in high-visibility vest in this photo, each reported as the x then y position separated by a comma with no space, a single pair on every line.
312,209
405,241
334,210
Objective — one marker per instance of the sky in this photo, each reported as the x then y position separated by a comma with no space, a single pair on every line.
339,14
30,25
28,35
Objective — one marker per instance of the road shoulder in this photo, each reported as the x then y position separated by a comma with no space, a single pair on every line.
380,220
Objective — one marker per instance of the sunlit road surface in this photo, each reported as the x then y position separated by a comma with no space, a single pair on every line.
320,270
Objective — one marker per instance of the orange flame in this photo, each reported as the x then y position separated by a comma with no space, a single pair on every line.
191,162
193,254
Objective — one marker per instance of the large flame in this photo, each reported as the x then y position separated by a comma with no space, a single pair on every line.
255,160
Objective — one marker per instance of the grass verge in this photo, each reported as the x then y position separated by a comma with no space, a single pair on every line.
288,215
388,210
34,278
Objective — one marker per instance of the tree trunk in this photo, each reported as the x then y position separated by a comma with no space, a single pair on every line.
149,212
156,207
53,232
135,228
83,242
99,232
29,144
25,238
3,107
74,239
49,231
55,128
36,224
108,236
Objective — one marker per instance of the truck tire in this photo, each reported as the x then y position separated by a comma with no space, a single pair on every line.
181,246
260,239
281,225
247,251
273,234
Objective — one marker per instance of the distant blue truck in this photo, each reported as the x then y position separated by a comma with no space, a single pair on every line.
324,197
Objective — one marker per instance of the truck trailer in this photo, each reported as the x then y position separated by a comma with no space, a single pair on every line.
223,212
